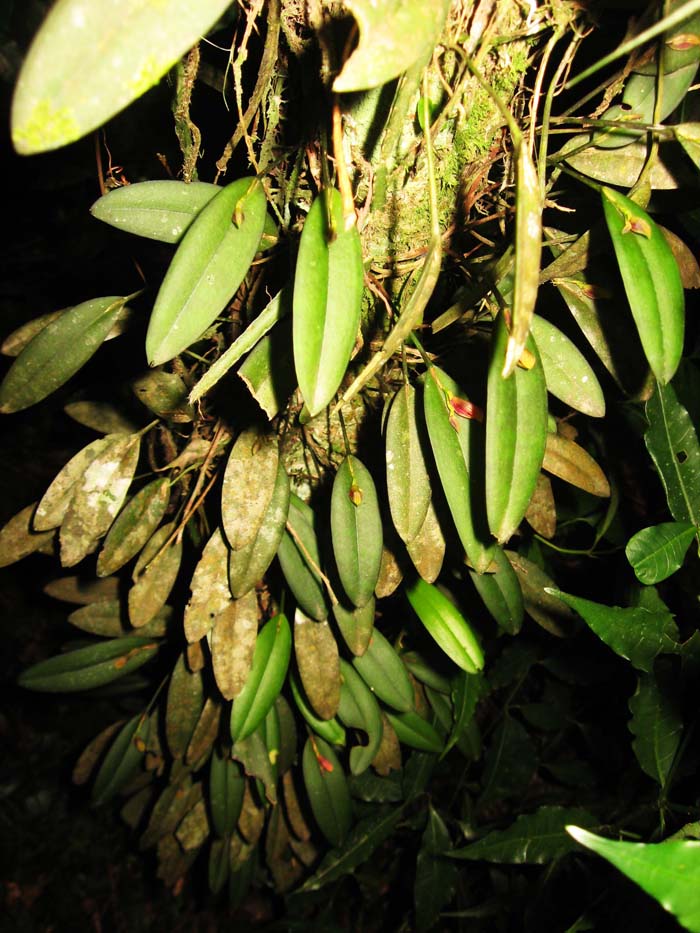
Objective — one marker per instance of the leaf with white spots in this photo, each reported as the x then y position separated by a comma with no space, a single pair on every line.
566,371
210,594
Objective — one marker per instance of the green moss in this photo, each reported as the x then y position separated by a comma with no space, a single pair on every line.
46,127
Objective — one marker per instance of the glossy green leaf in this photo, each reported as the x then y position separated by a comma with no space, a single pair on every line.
88,62
258,762
184,706
209,592
19,538
652,282
249,482
327,298
327,788
672,442
248,565
133,526
300,560
159,210
635,633
567,373
154,576
58,352
268,370
267,675
668,871
329,729
98,497
394,35
358,709
407,477
533,839
416,732
516,430
446,625
209,265
226,787
569,461
384,672
85,668
436,878
356,529
356,625
501,593
656,725
121,761
316,653
658,551
457,447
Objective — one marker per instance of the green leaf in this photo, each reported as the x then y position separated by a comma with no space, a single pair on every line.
121,761
165,394
327,788
658,551
184,707
516,430
446,625
673,446
58,352
436,877
635,633
133,526
566,371
467,690
415,731
501,593
258,762
534,838
652,282
267,675
356,529
102,417
209,265
358,709
394,35
668,871
656,725
88,62
328,729
357,848
19,539
457,448
86,668
384,672
356,625
226,787
407,478
509,763
300,560
268,370
159,210
327,300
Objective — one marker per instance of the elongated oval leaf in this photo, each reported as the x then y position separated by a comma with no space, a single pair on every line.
226,787
329,729
427,550
210,595
415,731
358,709
569,461
356,527
58,352
385,674
656,725
89,61
658,551
159,210
316,652
154,576
133,526
501,593
327,788
356,625
233,644
567,373
300,560
652,282
54,503
446,624
209,265
18,538
668,871
407,478
121,761
249,482
672,442
184,707
264,682
327,300
86,668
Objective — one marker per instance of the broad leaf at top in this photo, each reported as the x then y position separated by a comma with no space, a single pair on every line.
90,60
668,871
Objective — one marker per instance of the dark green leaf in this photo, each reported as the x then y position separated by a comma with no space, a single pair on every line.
436,877
656,725
658,551
90,667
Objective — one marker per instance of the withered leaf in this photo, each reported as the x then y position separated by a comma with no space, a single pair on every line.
184,707
233,643
427,550
18,538
254,756
317,658
570,462
82,592
53,505
249,482
541,513
210,594
154,576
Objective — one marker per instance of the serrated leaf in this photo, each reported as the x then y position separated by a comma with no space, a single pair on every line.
327,788
57,352
327,299
356,529
668,871
358,709
516,429
384,672
436,878
159,210
652,282
658,551
457,447
394,35
407,478
534,839
233,644
501,593
184,706
209,265
154,576
635,633
673,445
85,668
19,537
316,653
569,461
300,560
209,590
656,725
267,675
87,63
566,371
133,526
164,394
121,761
98,497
